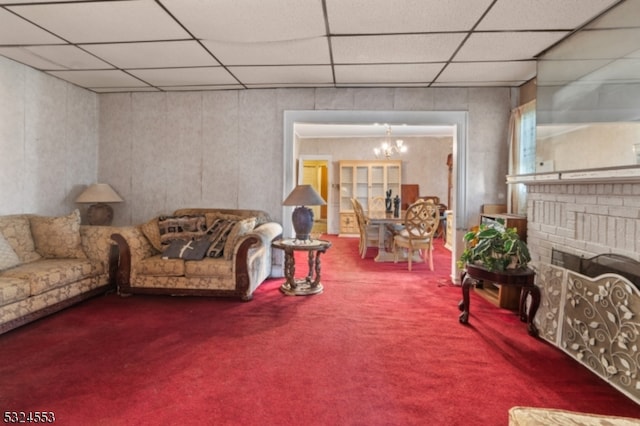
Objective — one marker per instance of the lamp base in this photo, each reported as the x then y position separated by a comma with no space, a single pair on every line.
100,214
302,218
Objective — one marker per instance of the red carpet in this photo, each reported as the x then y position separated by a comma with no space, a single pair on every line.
380,346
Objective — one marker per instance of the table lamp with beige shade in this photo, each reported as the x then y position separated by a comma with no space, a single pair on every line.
98,195
302,217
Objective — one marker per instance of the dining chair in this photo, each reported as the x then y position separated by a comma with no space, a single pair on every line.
377,206
420,223
368,233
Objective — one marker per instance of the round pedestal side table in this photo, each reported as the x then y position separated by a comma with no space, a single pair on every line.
311,283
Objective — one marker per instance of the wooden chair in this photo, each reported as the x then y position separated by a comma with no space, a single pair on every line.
421,221
369,234
377,206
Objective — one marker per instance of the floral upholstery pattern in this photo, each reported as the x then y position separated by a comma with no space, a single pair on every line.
157,266
40,286
13,290
209,267
241,227
57,237
96,242
150,271
17,231
36,303
151,230
139,245
530,416
48,274
192,283
8,257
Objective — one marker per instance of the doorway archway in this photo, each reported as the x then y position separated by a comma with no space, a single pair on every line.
457,119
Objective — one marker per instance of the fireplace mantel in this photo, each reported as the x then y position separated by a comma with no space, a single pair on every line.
626,174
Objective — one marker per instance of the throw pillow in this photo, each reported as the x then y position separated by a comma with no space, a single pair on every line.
181,227
16,229
58,237
212,216
240,228
217,235
152,232
187,249
8,257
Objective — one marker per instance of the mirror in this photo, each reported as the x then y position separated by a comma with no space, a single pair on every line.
588,96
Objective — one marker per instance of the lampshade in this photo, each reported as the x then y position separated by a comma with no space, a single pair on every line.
99,193
304,195
302,217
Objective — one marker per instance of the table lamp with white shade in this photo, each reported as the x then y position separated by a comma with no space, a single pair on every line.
302,217
98,195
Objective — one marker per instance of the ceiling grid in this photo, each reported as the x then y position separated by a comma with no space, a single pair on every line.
175,45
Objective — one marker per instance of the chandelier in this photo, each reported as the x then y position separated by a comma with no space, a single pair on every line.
387,148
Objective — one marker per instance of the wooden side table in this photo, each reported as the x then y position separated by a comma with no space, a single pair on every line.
521,278
309,284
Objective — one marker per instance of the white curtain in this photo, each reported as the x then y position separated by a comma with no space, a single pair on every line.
522,153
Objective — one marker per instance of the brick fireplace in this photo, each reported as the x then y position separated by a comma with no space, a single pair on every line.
594,319
583,218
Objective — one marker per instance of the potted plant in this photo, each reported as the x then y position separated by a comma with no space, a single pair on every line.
494,247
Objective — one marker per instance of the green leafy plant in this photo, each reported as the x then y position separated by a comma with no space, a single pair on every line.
494,247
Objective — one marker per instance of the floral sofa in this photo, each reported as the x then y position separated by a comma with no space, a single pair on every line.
48,264
204,252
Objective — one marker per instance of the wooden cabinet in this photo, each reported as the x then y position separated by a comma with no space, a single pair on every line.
507,297
364,180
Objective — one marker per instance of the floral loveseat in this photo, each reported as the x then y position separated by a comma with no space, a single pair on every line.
48,264
204,252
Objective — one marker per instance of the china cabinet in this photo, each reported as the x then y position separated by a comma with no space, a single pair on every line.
364,180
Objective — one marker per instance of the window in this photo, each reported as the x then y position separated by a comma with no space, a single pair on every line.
522,152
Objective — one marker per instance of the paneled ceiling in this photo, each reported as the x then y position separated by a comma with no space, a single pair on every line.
167,45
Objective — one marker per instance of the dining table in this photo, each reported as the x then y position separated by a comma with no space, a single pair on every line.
383,220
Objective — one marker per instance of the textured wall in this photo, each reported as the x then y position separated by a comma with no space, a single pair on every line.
162,151
48,141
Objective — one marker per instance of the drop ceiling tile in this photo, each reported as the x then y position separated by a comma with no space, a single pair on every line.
288,85
185,76
503,46
311,51
542,14
200,88
250,20
104,21
161,54
15,30
479,72
605,44
403,16
497,83
54,57
395,48
102,78
290,74
387,73
123,89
